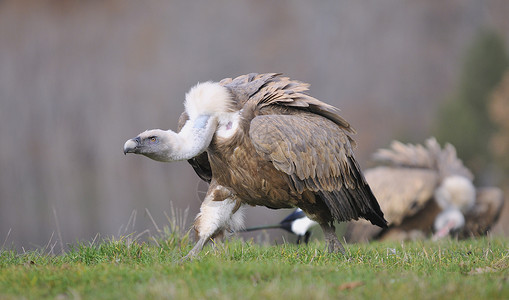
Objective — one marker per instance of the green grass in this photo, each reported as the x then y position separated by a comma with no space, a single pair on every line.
123,269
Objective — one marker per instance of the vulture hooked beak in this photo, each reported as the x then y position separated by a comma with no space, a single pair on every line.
131,146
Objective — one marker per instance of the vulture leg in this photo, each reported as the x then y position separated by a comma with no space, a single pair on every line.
331,239
219,212
196,249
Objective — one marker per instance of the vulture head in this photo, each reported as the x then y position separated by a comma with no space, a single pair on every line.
455,196
205,104
447,222
157,144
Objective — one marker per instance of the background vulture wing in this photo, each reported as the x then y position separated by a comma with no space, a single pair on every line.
317,155
401,192
428,156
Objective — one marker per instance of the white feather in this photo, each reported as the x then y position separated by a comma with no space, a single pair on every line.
228,124
208,98
236,222
456,192
215,216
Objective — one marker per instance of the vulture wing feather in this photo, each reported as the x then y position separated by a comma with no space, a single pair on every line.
428,156
317,155
401,192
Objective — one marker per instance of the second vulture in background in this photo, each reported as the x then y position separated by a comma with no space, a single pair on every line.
424,190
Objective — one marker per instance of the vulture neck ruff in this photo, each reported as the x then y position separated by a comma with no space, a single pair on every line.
205,104
457,192
208,98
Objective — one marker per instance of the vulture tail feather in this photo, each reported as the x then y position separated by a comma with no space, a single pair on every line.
349,203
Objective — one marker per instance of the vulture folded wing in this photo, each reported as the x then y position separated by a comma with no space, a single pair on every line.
317,155
244,87
401,192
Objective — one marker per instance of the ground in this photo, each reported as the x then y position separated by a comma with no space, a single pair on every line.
122,268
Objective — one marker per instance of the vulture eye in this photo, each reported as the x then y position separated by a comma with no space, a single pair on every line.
153,139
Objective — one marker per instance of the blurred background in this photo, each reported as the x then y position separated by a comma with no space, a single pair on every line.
79,78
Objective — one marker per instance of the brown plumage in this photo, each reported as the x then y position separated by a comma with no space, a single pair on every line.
278,147
407,187
484,214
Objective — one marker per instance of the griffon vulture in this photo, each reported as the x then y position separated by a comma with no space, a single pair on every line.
261,140
425,189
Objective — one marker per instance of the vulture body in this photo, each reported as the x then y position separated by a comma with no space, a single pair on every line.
424,189
261,140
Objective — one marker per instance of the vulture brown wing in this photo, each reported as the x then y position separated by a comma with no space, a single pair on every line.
318,156
309,148
401,192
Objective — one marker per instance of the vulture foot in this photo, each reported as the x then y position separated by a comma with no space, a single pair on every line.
335,247
331,239
196,249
